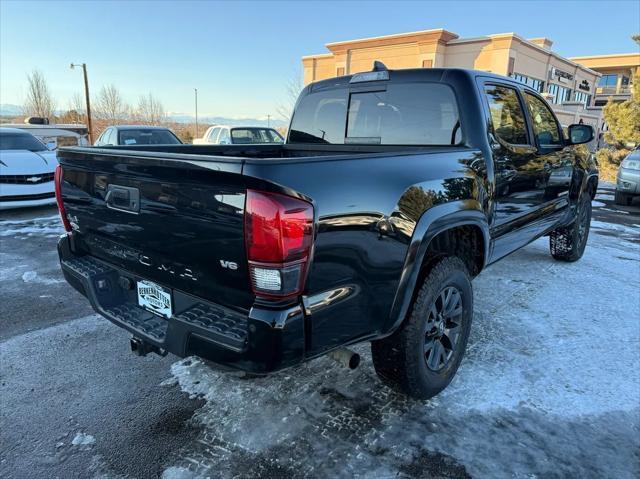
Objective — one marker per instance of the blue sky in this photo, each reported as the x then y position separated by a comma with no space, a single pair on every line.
240,54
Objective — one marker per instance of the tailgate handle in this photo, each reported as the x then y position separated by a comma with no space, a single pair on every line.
123,198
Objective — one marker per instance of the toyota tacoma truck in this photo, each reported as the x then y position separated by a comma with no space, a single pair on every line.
393,190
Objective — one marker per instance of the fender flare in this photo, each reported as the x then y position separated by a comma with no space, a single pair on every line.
434,221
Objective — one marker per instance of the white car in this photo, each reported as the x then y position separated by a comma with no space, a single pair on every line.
27,168
239,135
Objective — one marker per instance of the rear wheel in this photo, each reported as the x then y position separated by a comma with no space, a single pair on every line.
568,242
422,357
623,199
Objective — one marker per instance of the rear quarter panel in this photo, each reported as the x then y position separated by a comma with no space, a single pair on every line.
367,208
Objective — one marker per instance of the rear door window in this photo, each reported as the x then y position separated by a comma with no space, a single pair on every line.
400,114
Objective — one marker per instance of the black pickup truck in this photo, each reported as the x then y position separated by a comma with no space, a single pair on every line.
393,190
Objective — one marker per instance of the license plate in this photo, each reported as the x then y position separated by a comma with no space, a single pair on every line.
154,298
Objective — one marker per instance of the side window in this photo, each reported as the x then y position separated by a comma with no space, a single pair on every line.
224,138
213,136
101,138
107,137
507,116
545,126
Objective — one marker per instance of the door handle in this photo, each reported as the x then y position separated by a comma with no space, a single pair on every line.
123,198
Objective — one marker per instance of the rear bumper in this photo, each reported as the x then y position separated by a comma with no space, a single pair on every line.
261,342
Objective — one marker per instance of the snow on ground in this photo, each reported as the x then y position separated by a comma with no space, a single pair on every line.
48,226
550,386
82,439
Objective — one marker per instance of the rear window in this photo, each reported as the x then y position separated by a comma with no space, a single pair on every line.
18,141
401,114
147,137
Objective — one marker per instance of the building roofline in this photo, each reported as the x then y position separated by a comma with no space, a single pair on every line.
391,36
318,55
608,55
456,40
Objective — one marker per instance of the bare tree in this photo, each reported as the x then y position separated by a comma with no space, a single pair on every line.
39,101
76,109
110,106
150,110
293,87
77,103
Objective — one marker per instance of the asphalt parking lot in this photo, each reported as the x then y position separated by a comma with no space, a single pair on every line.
550,386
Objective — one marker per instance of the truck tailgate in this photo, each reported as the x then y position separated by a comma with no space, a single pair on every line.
176,222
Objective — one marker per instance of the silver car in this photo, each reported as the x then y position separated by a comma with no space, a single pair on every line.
628,182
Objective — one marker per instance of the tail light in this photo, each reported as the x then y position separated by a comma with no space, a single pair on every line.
278,237
58,185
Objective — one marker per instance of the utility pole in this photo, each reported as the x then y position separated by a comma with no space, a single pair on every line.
268,121
86,95
196,91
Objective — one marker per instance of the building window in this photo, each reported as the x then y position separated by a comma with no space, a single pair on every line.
559,94
553,91
583,97
340,71
537,85
427,63
608,81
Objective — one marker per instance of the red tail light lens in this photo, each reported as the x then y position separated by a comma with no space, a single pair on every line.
58,186
278,237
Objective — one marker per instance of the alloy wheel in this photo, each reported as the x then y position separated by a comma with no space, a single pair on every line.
443,328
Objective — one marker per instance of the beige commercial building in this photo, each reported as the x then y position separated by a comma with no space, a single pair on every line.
618,72
568,85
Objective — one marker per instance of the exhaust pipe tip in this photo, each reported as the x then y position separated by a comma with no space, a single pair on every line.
345,358
354,362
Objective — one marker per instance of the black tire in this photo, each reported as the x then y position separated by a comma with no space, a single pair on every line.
623,199
568,242
404,360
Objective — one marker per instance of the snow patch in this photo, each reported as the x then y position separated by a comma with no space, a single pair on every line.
33,230
602,196
178,473
48,225
55,217
32,277
551,374
83,439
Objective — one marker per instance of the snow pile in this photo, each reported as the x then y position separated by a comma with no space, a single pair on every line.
46,226
550,386
83,439
177,473
33,277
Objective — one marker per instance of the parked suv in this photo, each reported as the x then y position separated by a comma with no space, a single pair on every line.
393,191
628,180
239,135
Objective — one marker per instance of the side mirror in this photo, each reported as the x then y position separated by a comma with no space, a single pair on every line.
579,134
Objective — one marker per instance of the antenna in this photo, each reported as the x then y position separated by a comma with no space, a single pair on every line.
378,66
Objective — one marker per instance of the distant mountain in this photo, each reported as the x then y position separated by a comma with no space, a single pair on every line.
221,120
10,110
7,109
